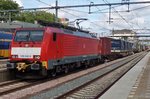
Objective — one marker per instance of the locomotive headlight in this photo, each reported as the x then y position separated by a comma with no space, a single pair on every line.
36,56
14,56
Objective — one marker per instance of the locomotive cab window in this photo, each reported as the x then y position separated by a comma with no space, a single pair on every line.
29,35
54,36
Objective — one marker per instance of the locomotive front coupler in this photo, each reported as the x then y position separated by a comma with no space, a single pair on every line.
28,65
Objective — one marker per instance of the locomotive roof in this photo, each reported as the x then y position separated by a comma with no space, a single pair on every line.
79,33
68,29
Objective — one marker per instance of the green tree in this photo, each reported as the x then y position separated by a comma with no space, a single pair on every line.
7,5
32,16
26,16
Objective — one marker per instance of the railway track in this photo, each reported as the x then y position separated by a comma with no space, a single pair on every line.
59,88
95,88
73,84
8,82
11,86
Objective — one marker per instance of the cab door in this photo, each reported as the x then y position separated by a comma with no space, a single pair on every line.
57,39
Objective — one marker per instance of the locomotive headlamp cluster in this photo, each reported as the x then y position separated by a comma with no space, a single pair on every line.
14,56
36,56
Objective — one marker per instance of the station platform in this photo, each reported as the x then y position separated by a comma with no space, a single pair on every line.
135,84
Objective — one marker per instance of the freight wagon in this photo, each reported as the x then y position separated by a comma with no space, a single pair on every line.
117,46
105,48
5,42
139,47
120,48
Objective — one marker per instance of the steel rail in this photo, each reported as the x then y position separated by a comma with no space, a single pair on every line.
85,89
70,84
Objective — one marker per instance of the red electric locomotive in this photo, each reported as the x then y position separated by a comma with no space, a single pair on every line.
51,49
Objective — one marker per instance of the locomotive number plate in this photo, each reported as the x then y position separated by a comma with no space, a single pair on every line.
25,56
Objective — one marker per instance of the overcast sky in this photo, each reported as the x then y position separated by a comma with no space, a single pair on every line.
137,18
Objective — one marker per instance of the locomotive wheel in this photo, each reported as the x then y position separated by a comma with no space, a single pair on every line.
66,69
91,63
87,63
53,73
71,67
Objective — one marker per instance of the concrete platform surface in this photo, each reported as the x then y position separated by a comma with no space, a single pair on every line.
123,88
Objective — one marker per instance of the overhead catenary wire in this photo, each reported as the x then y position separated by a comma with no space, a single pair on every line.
135,15
101,12
105,1
73,15
93,12
51,6
140,8
132,9
75,6
96,6
98,9
124,18
76,10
